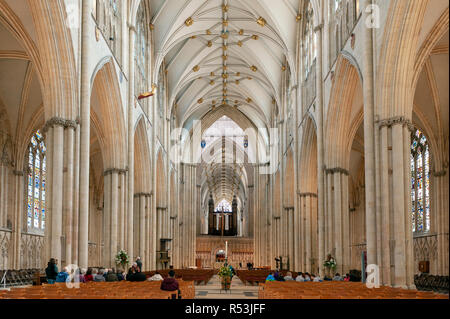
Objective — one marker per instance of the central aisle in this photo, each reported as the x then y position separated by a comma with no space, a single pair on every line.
238,290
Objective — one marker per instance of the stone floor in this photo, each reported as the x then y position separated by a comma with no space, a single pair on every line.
213,290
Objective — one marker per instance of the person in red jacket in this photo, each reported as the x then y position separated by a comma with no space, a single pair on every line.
170,283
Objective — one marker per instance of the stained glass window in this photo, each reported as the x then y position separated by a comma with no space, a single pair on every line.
224,206
35,178
420,182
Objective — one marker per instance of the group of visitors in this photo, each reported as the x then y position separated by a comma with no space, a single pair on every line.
303,277
109,275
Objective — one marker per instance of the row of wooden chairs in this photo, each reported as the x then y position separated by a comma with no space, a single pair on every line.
338,290
101,290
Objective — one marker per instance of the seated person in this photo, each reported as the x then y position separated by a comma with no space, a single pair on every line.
170,283
306,276
81,273
278,276
131,272
270,277
347,277
105,272
88,277
139,275
111,276
62,276
120,275
288,277
300,277
99,276
156,277
337,277
315,278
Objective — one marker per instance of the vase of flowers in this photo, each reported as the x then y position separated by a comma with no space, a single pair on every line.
330,264
225,275
122,259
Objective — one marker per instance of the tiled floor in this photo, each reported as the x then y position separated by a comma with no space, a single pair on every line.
238,290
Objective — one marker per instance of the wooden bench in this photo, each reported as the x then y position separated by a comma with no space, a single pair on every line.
337,290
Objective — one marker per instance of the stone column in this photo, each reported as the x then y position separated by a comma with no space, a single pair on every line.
68,192
48,194
398,206
18,214
132,36
330,204
153,233
409,255
148,231
57,191
114,214
141,250
338,220
369,141
320,146
106,222
122,205
346,259
291,231
385,262
76,198
297,234
440,201
85,112
308,233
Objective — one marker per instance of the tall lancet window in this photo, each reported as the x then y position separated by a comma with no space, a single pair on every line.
420,183
309,48
36,177
141,53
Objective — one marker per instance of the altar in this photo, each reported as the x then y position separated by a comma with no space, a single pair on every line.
212,251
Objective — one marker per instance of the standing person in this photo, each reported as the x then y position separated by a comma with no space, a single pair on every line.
51,271
139,263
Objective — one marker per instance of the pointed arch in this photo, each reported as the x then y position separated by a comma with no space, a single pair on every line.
107,106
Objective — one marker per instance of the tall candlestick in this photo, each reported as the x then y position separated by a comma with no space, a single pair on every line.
226,249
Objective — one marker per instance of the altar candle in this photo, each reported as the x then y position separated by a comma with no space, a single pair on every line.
226,249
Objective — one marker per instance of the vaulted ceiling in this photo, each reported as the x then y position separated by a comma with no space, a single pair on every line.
222,54
230,52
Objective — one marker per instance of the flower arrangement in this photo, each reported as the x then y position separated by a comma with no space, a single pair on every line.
330,263
225,272
122,258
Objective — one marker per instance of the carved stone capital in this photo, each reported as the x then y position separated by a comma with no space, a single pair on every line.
18,173
394,121
337,170
58,121
307,195
142,195
440,174
114,170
